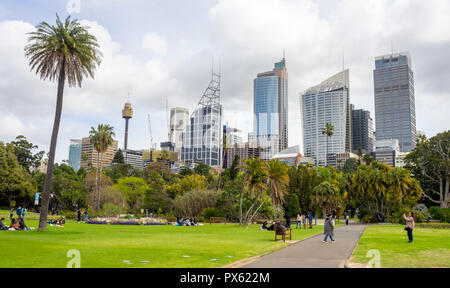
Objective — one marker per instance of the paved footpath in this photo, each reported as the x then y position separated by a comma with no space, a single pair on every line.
312,253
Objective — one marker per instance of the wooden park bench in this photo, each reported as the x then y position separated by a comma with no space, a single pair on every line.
217,220
287,232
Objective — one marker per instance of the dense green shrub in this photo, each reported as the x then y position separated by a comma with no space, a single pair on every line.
442,214
397,217
70,215
111,210
207,213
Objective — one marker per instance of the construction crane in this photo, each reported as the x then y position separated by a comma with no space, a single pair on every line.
150,130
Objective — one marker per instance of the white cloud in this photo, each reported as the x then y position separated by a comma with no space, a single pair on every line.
154,43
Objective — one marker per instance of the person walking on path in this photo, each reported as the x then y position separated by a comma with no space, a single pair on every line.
299,221
346,218
328,229
410,224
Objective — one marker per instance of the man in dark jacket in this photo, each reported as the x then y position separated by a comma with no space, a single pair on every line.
328,229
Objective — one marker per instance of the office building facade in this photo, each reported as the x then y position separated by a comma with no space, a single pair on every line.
94,158
362,136
395,113
202,139
179,118
270,109
325,103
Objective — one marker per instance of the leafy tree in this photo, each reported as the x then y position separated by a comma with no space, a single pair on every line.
351,165
120,171
202,169
68,188
367,159
192,182
15,183
185,171
293,207
101,139
24,152
118,157
134,190
429,162
328,198
62,52
378,190
234,167
302,181
192,203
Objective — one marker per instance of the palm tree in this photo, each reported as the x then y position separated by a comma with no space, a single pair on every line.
276,179
255,176
62,52
101,139
328,131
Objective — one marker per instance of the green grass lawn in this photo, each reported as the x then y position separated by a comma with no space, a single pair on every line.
162,246
431,247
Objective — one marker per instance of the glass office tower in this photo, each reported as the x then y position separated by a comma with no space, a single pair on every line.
395,108
270,109
322,104
75,154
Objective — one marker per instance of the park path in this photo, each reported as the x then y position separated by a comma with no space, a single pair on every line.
312,253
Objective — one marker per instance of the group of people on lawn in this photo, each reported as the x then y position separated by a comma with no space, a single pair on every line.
18,224
186,221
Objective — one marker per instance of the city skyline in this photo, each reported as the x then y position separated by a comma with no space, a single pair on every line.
152,63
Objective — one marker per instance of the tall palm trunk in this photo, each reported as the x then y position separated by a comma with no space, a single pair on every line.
51,159
240,207
100,181
96,181
328,166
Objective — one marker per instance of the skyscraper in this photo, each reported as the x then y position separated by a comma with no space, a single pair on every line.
202,139
395,108
75,154
325,103
179,118
271,109
362,137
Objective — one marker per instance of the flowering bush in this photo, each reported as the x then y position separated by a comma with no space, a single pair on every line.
128,221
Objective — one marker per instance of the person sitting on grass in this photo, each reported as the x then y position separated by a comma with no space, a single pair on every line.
14,225
193,223
3,226
22,225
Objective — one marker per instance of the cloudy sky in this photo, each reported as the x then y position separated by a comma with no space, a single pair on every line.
158,49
